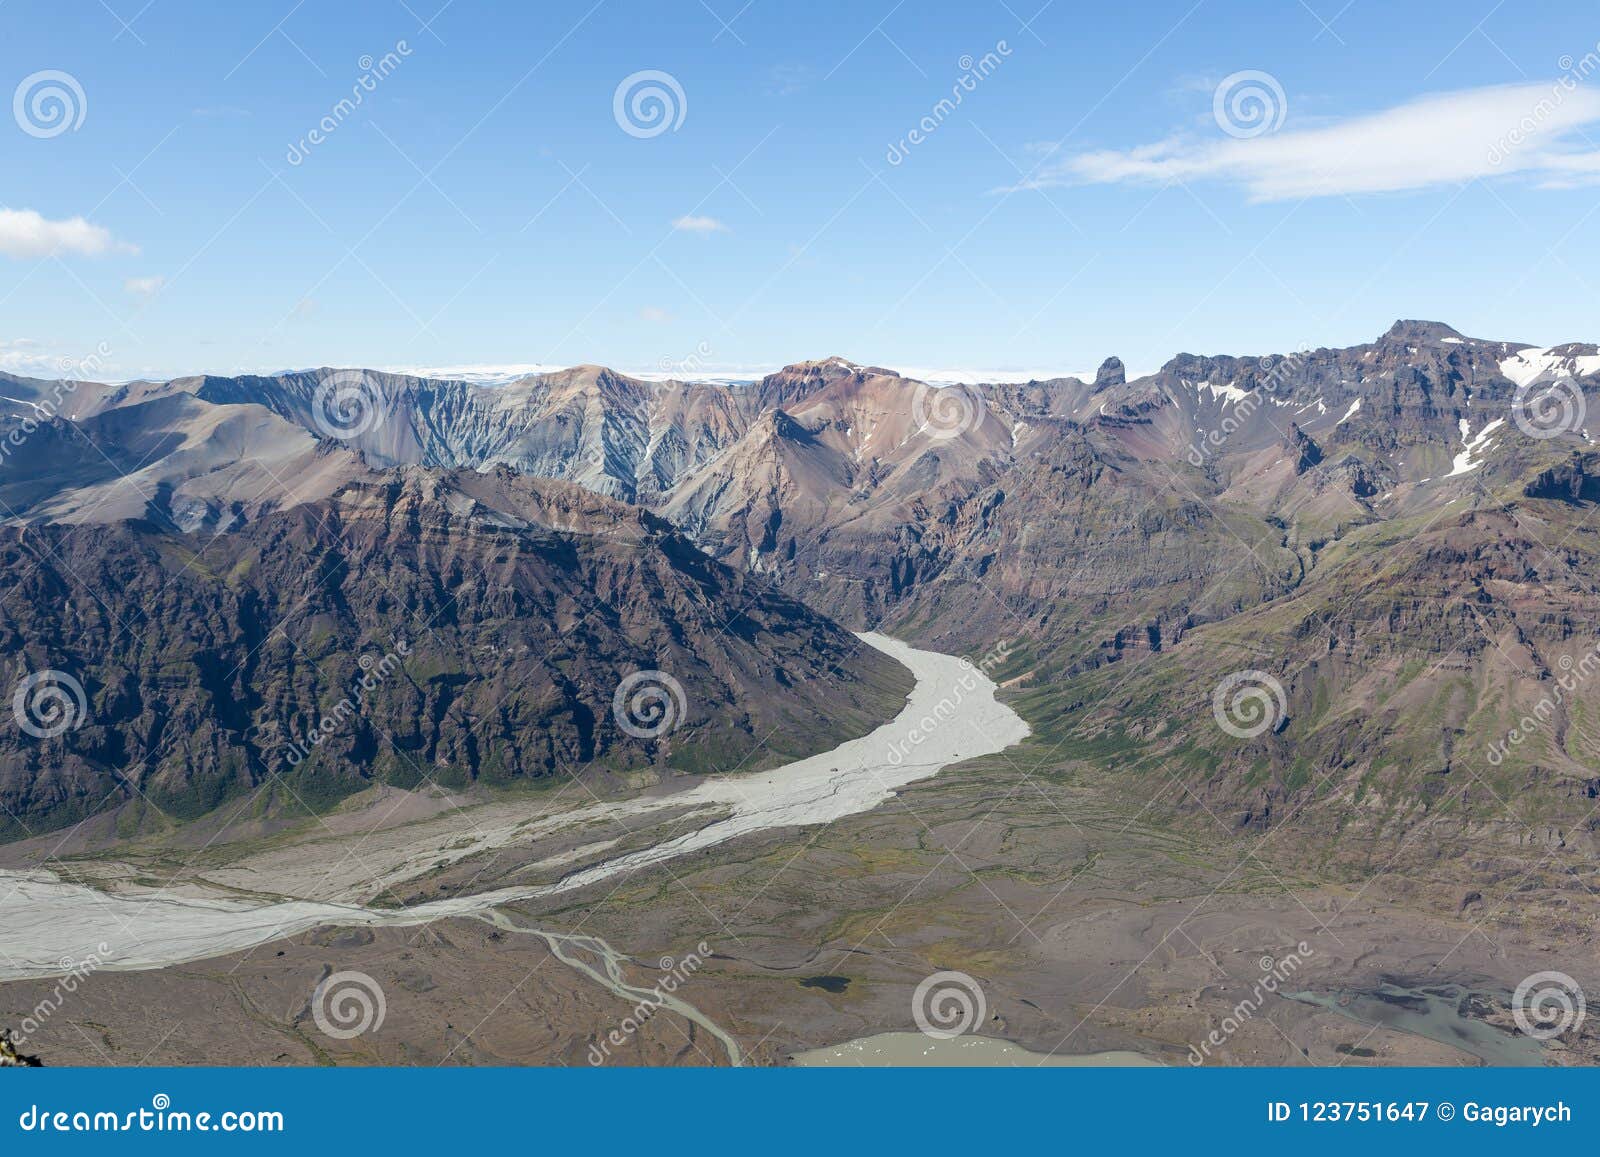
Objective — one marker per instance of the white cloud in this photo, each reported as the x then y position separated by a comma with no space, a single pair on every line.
31,358
1532,130
26,234
20,355
654,313
145,287
699,225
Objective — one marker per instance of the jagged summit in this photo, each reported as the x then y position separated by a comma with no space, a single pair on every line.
1111,373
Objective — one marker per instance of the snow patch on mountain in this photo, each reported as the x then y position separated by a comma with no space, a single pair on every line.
1527,366
1467,461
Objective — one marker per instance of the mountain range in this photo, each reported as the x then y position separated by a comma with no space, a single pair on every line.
1392,539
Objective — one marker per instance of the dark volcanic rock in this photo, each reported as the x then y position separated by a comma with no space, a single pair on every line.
1575,480
1111,373
1306,452
457,630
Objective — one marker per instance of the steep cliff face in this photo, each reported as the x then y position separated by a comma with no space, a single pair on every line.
615,435
414,628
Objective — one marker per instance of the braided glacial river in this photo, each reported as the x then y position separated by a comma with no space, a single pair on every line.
50,923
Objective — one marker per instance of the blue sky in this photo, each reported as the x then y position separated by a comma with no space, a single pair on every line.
483,204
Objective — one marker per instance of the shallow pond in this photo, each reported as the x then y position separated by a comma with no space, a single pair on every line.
916,1050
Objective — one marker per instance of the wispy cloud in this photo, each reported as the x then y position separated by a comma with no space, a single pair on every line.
26,234
654,313
693,224
145,287
1535,131
788,79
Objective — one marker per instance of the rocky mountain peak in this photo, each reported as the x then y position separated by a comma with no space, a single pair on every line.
1413,331
833,367
1305,449
1111,373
